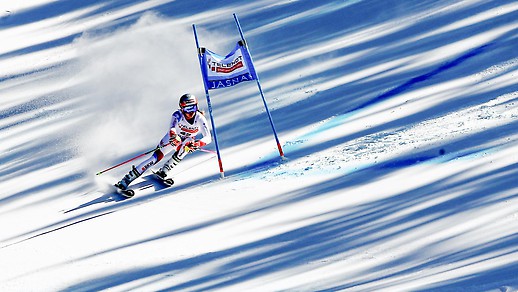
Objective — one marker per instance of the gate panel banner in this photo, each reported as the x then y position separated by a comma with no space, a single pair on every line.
222,72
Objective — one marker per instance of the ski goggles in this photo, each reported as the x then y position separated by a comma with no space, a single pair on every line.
190,108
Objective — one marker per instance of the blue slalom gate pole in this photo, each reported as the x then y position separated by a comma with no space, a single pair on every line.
281,153
200,55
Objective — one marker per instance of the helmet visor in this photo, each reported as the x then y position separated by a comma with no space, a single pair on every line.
190,108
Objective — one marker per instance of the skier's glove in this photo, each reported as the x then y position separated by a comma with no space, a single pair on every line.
174,139
194,145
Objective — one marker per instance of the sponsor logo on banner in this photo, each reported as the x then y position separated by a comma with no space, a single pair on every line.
227,71
218,67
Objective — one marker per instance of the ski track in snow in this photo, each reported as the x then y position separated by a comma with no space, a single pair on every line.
430,134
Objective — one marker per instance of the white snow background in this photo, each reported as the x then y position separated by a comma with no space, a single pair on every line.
399,120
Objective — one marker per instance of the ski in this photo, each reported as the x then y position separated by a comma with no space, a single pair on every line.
160,183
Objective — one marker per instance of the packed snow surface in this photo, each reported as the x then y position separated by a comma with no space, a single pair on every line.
398,120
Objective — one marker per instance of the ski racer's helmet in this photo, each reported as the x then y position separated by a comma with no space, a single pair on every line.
189,105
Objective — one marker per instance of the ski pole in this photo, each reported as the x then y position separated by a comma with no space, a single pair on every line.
187,149
140,155
131,159
207,151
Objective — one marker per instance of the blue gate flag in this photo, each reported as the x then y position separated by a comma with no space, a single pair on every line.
234,68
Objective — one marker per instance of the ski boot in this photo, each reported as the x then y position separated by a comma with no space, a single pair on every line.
162,172
162,176
123,184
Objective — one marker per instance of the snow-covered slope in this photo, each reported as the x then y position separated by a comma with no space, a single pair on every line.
398,119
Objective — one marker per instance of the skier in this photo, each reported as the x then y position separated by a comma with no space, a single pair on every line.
186,123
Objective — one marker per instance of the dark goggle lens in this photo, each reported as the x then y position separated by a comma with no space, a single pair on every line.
190,108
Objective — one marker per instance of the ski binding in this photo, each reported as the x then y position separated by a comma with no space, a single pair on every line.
167,180
128,193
